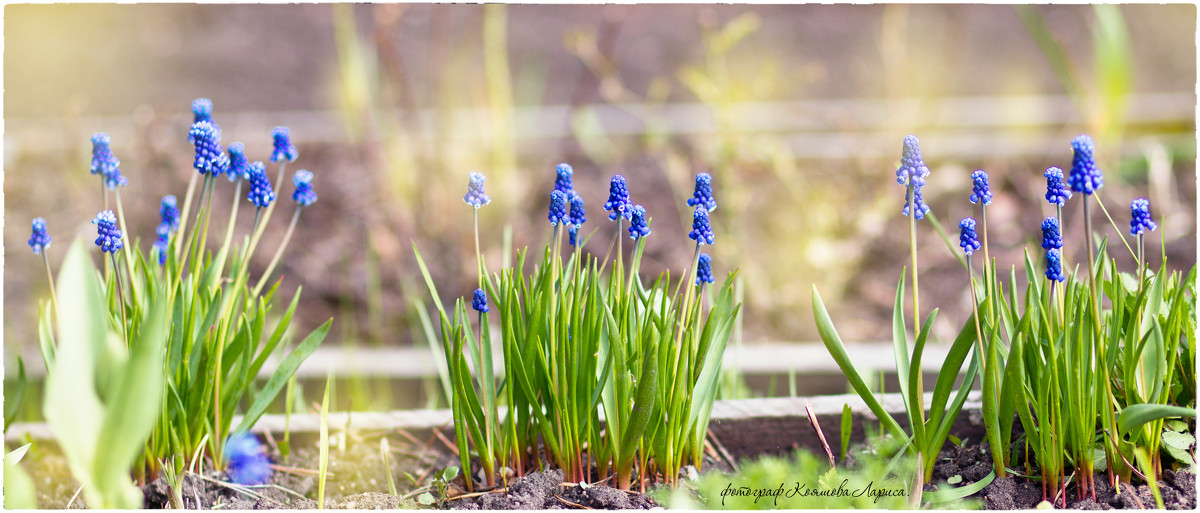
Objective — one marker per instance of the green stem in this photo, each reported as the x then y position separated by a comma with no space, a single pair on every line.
121,299
128,251
50,278
183,219
287,236
478,254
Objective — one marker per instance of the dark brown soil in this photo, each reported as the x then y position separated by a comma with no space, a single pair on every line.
544,490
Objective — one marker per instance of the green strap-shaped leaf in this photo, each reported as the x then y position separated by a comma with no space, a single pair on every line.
1133,417
279,379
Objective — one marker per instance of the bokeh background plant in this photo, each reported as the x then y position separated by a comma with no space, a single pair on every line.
784,107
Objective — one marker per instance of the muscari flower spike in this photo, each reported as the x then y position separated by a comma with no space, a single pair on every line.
247,462
618,203
1054,270
475,193
562,182
702,231
639,226
703,194
967,239
1051,234
913,171
105,164
169,212
980,190
1056,191
573,235
40,239
283,145
261,193
1085,177
1139,219
239,167
160,245
304,194
202,111
558,208
578,215
210,158
704,269
109,239
479,302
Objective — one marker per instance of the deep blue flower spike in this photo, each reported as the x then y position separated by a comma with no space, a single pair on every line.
1139,219
703,195
967,239
109,239
1054,270
558,208
618,204
479,302
573,235
913,171
578,215
239,167
476,196
284,150
304,194
39,240
169,212
210,158
702,231
1051,234
202,109
247,462
1056,191
562,180
1085,177
980,190
105,164
260,193
704,269
639,226
159,250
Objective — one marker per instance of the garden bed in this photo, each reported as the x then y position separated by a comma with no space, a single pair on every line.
420,442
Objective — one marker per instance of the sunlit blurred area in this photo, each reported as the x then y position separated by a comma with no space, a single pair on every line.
798,112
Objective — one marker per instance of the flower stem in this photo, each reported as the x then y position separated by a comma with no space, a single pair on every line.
287,236
121,299
478,255
128,251
187,206
50,278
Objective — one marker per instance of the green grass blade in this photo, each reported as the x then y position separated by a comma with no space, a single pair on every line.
280,377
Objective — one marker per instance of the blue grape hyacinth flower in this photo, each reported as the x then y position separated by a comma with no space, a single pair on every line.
704,269
1056,191
239,167
980,190
1051,234
304,194
39,240
578,215
479,302
1140,220
476,196
284,150
618,203
247,462
702,231
202,109
1054,270
109,239
703,195
913,171
105,164
260,193
562,180
210,158
967,239
573,235
639,226
1085,176
159,249
169,212
558,208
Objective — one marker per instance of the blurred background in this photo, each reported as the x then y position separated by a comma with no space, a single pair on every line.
797,111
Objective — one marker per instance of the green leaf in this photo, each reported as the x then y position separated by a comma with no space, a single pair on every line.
279,379
12,404
426,499
847,428
950,495
1137,415
450,473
